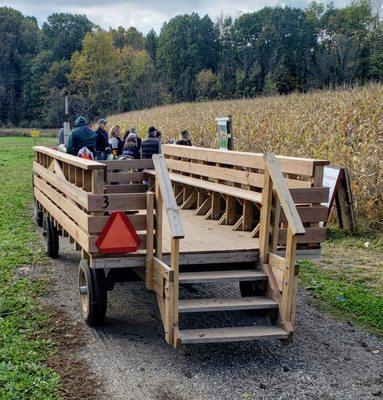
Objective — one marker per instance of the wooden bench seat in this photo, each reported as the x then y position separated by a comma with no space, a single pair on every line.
240,193
227,186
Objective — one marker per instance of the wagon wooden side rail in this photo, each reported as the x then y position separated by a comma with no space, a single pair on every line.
75,194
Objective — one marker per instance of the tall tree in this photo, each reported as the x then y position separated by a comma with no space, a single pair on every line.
273,43
128,37
345,43
19,43
187,44
63,34
94,73
136,80
151,44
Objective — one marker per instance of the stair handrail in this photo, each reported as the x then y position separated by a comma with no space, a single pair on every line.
275,185
166,189
165,199
284,195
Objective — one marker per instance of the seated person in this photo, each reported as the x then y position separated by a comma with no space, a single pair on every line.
131,147
81,136
115,141
151,145
102,142
185,139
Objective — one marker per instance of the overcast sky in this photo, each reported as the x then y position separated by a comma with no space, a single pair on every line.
143,14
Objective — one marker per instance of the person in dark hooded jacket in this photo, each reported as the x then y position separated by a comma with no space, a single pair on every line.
81,136
151,145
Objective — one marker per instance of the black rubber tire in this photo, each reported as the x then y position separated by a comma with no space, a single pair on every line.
38,214
52,238
94,301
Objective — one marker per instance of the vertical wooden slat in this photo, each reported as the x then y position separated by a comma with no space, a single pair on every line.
317,181
78,177
288,292
230,210
215,205
174,264
96,185
169,296
264,228
201,197
159,216
149,239
87,180
276,218
248,215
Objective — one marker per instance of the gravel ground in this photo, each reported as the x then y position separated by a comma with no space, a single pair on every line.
328,359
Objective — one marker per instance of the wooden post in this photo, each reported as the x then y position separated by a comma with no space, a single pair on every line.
264,228
317,181
215,205
230,210
230,140
289,287
174,264
248,215
159,216
276,217
169,298
149,240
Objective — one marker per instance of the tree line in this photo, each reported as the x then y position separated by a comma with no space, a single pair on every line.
270,51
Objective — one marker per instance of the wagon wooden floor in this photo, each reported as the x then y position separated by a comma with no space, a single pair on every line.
206,241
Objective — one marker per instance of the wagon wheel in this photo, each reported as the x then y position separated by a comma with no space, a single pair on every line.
38,213
52,238
93,293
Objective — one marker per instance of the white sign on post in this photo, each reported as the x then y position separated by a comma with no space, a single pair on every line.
331,176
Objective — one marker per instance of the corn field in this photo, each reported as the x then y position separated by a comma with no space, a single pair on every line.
343,126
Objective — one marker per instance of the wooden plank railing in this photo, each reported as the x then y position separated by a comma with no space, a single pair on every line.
156,268
227,186
72,192
281,271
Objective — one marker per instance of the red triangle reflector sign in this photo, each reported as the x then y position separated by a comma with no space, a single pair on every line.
118,235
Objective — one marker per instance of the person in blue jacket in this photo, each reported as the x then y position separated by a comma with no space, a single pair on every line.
81,136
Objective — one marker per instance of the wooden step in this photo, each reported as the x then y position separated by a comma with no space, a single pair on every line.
226,304
236,334
222,276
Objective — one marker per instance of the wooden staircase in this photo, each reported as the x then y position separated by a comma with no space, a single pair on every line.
268,291
259,303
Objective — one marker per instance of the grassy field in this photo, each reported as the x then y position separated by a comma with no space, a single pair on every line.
23,349
348,280
344,126
26,132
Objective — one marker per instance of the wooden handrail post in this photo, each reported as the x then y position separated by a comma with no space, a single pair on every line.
275,224
289,287
174,264
264,228
159,216
149,240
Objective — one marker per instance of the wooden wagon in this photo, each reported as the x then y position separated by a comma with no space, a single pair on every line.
202,216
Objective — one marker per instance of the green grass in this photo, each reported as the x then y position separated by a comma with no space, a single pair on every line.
23,350
348,281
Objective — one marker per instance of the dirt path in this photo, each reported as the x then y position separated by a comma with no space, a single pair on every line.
327,360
